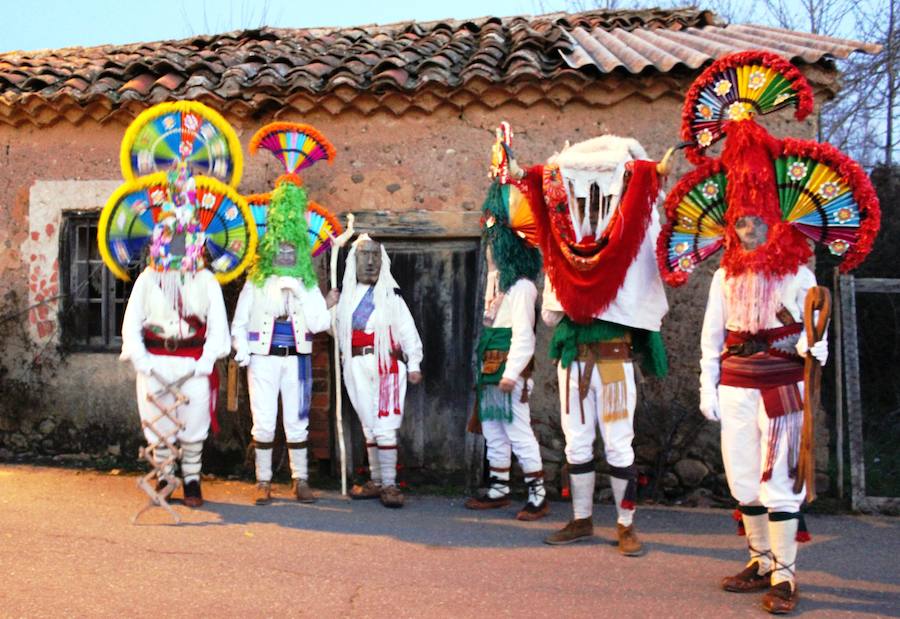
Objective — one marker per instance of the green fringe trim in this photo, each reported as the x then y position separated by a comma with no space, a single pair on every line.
648,345
285,222
514,257
493,338
494,405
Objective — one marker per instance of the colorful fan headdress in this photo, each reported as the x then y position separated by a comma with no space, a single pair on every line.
297,147
186,221
187,132
800,188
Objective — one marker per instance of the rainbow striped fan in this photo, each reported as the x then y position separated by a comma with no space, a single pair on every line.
827,197
127,221
695,227
321,223
739,87
181,131
295,145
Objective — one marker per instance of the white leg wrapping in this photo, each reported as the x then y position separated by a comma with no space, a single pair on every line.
299,464
161,454
756,529
783,535
374,464
536,491
501,488
387,458
625,516
582,489
263,464
191,457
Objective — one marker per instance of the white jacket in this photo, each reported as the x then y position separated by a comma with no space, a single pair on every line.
517,312
255,314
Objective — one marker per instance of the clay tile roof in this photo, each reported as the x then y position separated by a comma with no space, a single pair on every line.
255,71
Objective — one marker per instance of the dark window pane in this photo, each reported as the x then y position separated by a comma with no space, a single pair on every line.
81,243
92,241
95,319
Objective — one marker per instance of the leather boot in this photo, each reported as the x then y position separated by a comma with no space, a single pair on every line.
369,490
391,497
533,512
576,531
193,496
749,579
486,502
629,544
781,599
303,492
263,493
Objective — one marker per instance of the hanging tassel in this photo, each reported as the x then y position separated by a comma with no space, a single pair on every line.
803,535
739,517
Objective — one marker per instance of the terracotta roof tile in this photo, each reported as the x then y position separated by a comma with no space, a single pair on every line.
365,67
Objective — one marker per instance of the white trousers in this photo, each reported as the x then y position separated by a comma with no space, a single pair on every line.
194,414
502,438
362,381
745,438
267,376
617,435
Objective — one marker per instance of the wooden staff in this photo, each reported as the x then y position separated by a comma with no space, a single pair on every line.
336,244
818,298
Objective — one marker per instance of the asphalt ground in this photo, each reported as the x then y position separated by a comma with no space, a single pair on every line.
68,548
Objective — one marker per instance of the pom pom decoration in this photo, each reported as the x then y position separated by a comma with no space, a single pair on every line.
131,213
295,145
188,132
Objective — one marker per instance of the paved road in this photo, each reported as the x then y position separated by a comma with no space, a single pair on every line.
67,548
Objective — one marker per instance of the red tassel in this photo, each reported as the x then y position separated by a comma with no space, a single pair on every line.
565,492
739,517
803,536
626,504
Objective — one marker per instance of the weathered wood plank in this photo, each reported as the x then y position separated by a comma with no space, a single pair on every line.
420,224
877,284
853,391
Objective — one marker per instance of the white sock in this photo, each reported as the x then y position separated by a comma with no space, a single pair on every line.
626,516
756,528
499,487
582,488
299,463
374,463
263,464
387,459
191,457
536,491
783,535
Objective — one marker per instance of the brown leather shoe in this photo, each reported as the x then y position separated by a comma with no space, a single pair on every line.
193,496
781,599
369,490
263,493
391,497
629,544
749,579
576,531
303,492
532,512
486,502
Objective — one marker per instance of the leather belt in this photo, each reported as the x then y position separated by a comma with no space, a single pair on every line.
595,351
170,345
283,351
359,351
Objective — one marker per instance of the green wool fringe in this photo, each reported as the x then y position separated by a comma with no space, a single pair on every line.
514,257
647,344
285,223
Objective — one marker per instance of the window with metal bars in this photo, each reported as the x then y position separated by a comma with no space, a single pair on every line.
93,301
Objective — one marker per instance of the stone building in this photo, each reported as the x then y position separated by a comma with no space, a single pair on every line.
411,108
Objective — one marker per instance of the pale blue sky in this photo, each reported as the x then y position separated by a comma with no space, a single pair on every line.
45,24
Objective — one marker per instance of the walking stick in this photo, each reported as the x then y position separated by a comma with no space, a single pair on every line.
336,244
818,298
